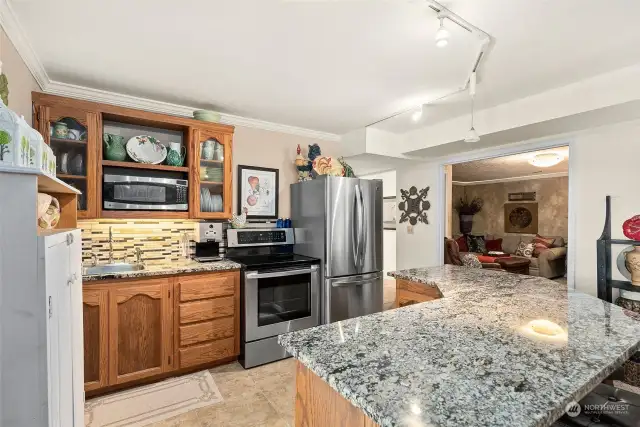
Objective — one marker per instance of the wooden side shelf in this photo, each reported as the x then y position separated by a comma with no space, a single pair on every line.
212,162
68,141
144,166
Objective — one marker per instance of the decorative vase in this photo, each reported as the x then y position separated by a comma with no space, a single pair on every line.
176,153
466,223
218,152
114,147
632,261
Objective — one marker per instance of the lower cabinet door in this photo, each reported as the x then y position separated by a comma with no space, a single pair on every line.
140,330
95,320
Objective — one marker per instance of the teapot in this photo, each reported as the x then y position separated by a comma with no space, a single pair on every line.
114,147
176,154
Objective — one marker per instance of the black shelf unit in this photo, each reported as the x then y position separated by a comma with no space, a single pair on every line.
605,283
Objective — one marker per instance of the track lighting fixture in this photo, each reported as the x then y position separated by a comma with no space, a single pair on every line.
442,35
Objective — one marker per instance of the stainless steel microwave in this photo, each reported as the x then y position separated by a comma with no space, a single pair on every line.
144,193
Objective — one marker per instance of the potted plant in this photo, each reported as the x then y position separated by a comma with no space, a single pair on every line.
466,210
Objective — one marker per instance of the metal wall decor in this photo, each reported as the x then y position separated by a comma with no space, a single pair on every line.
413,205
521,218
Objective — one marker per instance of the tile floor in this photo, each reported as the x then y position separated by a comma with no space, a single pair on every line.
258,397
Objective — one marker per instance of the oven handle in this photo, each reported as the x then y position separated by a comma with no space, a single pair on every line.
255,275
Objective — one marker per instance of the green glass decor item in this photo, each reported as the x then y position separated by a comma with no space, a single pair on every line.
114,147
176,154
4,89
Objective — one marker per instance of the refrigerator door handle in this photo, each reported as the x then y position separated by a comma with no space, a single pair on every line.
354,232
361,228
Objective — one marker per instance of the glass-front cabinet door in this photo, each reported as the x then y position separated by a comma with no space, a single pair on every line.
72,134
211,181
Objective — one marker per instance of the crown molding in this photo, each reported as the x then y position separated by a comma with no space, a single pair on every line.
17,35
513,178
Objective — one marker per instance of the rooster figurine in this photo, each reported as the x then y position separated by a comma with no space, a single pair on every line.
239,221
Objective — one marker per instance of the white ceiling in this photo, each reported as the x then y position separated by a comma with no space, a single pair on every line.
327,65
516,165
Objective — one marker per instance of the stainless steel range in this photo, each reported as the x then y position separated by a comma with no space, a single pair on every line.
279,292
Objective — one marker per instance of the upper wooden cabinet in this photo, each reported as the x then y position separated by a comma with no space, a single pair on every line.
75,147
82,158
212,182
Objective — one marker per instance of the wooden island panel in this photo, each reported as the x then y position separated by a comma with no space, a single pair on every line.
409,293
318,405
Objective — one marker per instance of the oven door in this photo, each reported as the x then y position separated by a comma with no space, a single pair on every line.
120,192
281,300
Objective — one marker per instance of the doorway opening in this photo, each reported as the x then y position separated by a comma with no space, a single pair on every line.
510,213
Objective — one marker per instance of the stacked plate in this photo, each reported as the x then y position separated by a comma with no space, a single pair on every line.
207,116
214,174
210,202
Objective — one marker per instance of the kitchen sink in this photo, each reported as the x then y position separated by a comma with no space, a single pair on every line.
112,268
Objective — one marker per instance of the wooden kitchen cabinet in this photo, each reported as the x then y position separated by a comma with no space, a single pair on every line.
211,179
76,153
140,330
148,328
409,293
95,315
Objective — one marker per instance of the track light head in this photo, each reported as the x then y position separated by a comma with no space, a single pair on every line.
442,35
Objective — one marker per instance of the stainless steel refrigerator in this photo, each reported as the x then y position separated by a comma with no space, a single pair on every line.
339,220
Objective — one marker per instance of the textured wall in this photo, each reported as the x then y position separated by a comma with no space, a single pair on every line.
552,195
159,240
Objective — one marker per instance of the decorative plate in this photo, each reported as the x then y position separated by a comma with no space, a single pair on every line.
146,149
621,262
631,228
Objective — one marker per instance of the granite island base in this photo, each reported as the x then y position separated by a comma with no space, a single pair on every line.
497,349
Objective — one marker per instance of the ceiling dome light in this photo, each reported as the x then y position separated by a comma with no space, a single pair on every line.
442,35
546,160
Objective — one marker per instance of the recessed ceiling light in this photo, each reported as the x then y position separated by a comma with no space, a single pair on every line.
545,160
442,35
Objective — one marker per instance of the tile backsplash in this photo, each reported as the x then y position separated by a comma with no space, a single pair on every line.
159,240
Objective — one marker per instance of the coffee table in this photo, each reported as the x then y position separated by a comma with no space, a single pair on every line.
514,265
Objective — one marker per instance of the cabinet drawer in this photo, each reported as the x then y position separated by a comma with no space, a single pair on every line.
203,286
207,331
206,353
198,311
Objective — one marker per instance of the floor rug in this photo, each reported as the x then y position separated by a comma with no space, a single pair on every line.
152,403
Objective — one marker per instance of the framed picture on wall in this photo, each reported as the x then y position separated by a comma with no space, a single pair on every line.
521,218
258,192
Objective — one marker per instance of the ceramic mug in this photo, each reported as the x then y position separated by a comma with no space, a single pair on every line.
61,130
75,134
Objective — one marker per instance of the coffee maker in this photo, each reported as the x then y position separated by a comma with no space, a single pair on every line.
209,239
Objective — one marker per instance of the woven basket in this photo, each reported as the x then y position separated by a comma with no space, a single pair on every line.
631,366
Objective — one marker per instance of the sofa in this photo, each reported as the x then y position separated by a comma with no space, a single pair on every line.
550,263
453,256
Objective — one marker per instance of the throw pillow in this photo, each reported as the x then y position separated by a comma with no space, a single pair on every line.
476,244
541,243
494,245
525,249
462,244
470,260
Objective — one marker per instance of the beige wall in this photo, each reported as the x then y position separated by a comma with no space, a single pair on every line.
552,195
256,147
21,82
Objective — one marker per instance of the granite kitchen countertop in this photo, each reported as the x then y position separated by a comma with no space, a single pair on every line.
471,358
177,267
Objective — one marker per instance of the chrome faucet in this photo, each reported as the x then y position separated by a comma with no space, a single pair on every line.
138,252
110,246
94,259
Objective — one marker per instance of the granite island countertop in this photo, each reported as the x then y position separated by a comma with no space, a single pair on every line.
178,267
471,358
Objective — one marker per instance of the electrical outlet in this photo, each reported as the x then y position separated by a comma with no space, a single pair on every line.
409,229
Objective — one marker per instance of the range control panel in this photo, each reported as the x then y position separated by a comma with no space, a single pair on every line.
260,237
